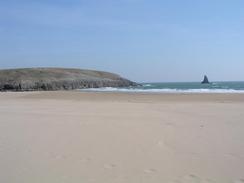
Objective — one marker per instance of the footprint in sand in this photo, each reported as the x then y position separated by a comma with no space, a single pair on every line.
195,179
150,171
55,156
85,160
239,181
169,124
191,178
232,156
109,166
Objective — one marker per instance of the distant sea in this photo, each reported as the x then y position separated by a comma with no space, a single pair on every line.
179,87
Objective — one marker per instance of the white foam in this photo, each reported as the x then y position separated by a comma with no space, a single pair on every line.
167,90
147,85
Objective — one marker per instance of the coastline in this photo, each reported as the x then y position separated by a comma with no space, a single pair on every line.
72,136
92,96
178,87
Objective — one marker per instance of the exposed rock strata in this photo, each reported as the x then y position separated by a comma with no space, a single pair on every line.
35,79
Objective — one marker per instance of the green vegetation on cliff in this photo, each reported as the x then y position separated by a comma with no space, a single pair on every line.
32,79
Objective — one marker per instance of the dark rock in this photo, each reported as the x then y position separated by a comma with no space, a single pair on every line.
35,79
205,80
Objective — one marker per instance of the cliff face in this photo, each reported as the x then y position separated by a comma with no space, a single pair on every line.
32,79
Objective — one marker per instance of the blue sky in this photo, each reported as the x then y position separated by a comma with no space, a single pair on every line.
143,40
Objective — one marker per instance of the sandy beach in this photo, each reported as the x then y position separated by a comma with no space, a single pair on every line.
75,137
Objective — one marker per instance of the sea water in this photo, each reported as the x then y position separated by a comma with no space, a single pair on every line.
179,87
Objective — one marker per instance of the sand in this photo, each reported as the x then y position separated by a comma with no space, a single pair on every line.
74,137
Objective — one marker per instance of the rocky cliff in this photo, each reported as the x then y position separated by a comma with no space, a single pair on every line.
32,79
205,80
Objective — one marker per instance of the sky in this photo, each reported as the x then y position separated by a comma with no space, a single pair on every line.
143,40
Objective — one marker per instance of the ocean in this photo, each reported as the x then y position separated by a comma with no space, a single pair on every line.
179,87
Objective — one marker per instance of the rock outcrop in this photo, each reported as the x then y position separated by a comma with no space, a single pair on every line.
205,80
35,79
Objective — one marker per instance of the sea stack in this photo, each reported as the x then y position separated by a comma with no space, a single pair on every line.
205,80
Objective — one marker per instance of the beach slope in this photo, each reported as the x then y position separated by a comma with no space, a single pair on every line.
75,137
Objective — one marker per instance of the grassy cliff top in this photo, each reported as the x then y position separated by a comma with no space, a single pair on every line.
54,74
58,79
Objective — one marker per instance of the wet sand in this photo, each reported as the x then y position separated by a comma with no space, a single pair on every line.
71,137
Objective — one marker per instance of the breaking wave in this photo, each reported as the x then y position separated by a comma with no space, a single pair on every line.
165,90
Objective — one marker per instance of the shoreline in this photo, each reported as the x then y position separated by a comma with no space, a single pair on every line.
162,91
124,96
